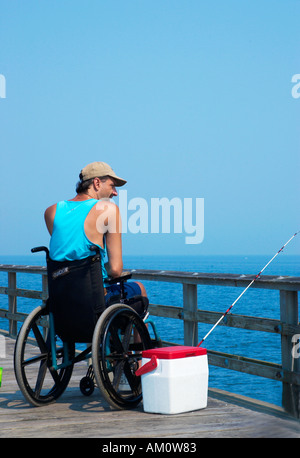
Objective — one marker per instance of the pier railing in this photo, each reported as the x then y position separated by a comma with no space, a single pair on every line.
288,372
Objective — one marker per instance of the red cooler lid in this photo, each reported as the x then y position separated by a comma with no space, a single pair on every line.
174,352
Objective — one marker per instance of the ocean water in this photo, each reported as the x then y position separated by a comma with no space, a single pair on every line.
255,302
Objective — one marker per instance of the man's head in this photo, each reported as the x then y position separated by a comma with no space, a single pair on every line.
101,177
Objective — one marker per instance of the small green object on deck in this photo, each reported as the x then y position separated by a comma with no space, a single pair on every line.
0,376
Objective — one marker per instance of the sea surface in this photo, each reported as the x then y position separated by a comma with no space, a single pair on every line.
255,302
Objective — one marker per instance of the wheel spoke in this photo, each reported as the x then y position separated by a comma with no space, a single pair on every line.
35,359
54,375
118,370
133,381
40,378
39,338
115,340
127,335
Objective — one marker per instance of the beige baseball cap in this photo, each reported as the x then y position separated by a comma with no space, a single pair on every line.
100,169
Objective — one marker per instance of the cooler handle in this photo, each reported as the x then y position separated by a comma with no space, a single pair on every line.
148,367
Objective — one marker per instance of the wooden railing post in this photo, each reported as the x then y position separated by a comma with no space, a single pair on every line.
12,302
189,314
289,315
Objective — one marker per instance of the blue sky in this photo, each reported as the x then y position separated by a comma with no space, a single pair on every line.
184,98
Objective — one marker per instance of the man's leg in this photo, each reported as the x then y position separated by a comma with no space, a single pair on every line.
142,288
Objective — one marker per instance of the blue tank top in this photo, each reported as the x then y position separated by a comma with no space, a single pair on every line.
69,241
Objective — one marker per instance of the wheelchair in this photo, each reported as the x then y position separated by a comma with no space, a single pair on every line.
75,313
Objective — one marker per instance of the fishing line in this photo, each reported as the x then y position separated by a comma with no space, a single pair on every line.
243,292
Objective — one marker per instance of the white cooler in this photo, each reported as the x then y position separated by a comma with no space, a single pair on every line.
174,379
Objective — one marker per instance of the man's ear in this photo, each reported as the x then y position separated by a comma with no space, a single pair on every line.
97,184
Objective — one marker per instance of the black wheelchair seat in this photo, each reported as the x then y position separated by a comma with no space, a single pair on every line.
76,297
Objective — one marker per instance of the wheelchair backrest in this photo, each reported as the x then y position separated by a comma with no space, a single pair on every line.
76,297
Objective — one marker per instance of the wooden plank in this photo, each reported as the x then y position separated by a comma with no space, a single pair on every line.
13,316
287,283
231,320
21,317
23,269
253,367
18,292
265,281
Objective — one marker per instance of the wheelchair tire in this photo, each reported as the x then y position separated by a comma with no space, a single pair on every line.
87,386
120,336
39,382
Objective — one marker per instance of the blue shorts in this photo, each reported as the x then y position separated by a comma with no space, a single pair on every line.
130,288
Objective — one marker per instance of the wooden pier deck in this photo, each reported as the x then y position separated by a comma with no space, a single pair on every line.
77,416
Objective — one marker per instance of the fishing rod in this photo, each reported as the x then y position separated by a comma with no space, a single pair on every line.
243,292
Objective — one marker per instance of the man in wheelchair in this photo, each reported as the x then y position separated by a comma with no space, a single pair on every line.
87,302
88,219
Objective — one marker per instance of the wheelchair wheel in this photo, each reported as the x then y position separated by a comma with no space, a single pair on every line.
87,386
39,382
119,338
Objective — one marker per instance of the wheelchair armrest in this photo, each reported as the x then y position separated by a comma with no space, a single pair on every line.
123,277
